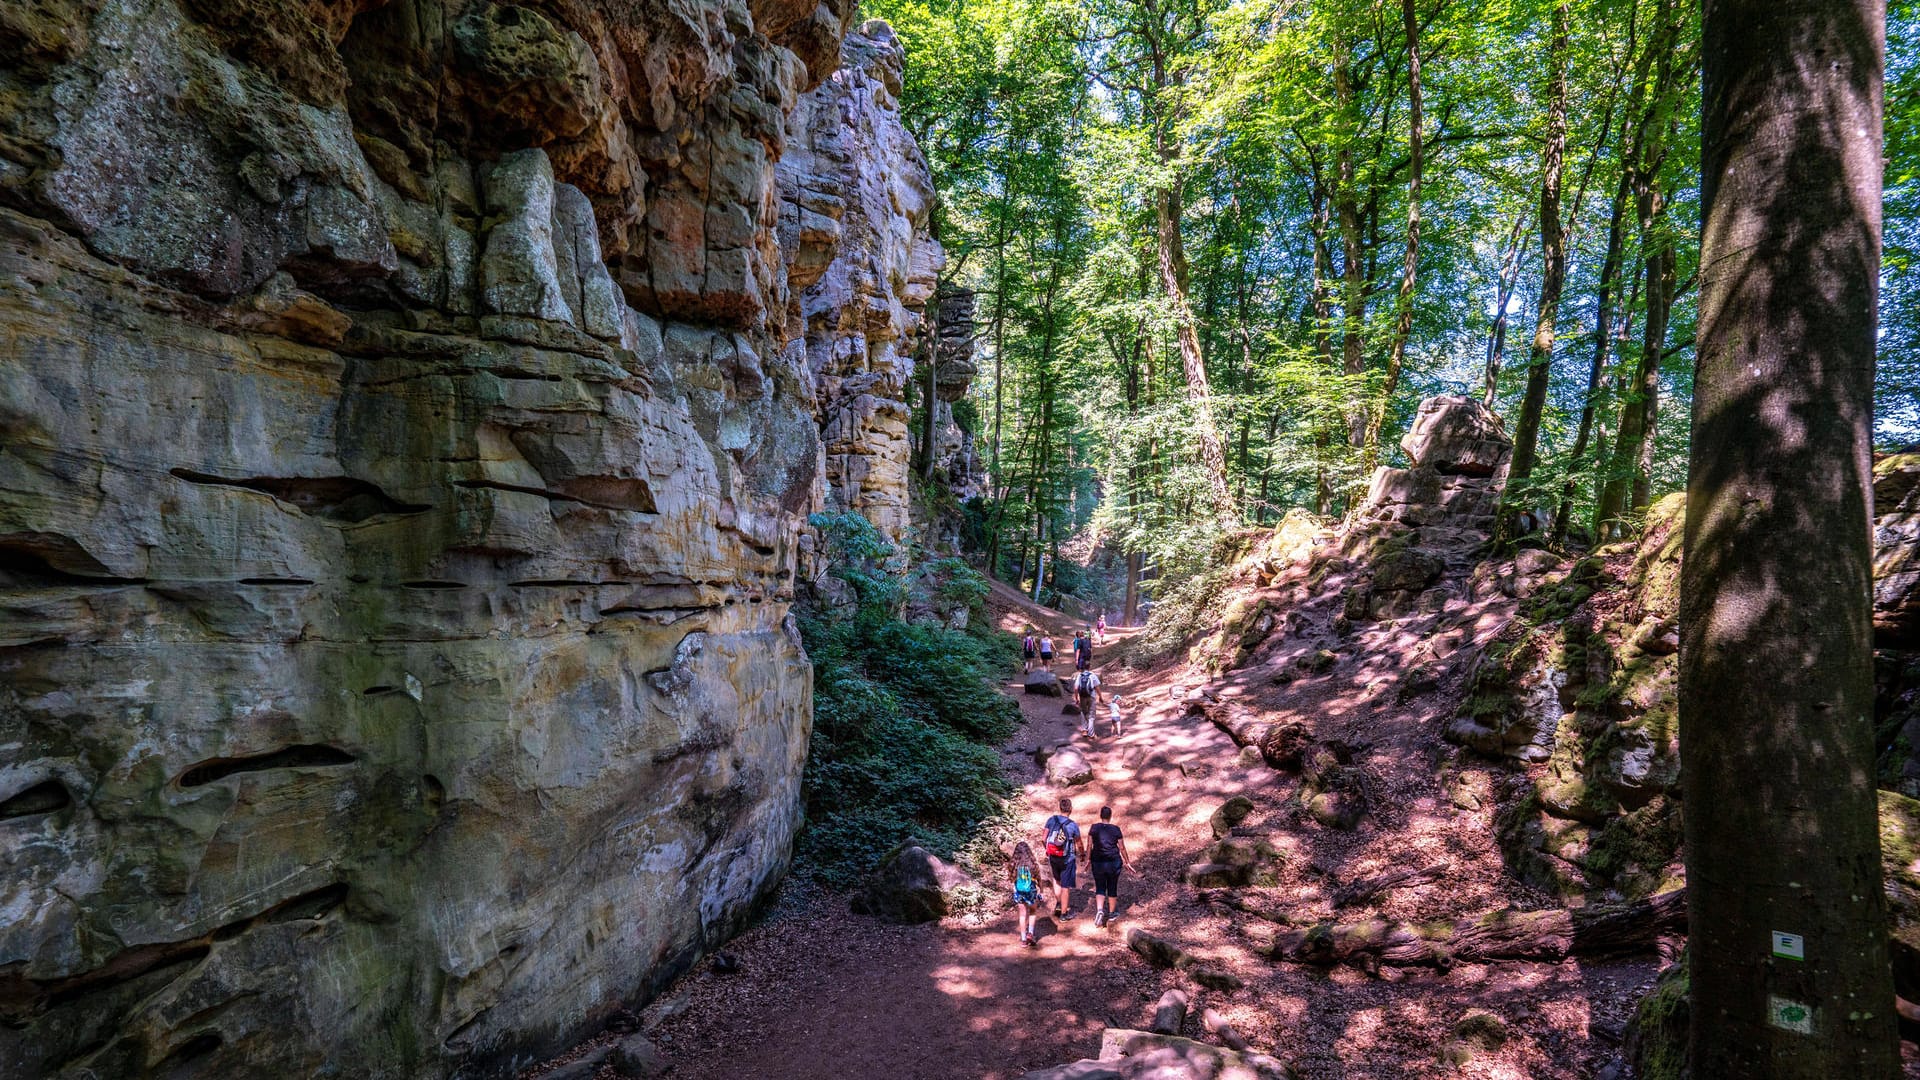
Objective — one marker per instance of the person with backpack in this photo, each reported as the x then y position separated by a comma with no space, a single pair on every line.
1026,890
1027,649
1064,846
1109,857
1086,693
1046,651
1083,650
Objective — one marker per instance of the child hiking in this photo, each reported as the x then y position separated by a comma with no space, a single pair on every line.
1064,845
1100,630
1026,890
1113,712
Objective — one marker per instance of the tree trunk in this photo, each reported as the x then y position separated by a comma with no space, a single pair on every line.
1776,661
1403,303
1353,305
1168,210
1632,448
1503,295
1553,272
1602,339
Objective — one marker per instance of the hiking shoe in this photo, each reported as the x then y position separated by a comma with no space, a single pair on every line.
1066,915
1100,922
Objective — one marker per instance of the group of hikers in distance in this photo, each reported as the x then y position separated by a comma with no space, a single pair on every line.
1086,682
1103,846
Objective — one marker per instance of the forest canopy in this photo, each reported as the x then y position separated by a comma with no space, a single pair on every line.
1223,248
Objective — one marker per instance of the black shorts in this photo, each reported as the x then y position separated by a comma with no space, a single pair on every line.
1027,652
1063,870
1106,879
1047,656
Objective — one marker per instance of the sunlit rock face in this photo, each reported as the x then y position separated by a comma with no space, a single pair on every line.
407,431
856,178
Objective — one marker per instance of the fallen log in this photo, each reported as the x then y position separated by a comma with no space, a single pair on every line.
1553,934
1248,905
1365,889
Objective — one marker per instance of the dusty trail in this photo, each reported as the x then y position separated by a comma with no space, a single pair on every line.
836,995
828,994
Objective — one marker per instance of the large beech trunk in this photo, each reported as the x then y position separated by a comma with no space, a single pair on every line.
1776,687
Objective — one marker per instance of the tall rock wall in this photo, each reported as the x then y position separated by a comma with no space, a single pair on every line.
859,185
406,435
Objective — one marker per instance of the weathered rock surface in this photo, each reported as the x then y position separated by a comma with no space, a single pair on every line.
1896,541
1126,1054
409,435
911,886
857,175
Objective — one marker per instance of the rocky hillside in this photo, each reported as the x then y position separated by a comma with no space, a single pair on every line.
1532,691
412,415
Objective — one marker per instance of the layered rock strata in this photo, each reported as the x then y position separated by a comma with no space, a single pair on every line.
406,435
860,198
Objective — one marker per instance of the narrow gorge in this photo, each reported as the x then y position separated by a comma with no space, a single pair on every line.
410,418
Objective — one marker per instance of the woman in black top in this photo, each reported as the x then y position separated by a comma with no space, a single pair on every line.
1110,857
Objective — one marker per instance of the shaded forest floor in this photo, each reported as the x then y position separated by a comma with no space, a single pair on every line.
824,993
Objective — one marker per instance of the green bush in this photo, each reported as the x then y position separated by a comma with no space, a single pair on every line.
905,717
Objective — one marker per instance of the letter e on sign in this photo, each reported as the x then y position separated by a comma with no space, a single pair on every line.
1789,946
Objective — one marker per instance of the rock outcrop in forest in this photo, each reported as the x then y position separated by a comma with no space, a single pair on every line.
411,421
1552,676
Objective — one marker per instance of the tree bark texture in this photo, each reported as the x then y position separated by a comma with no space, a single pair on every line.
1776,691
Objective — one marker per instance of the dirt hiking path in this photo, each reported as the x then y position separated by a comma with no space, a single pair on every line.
827,994
823,993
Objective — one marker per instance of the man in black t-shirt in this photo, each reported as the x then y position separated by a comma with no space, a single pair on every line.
1110,857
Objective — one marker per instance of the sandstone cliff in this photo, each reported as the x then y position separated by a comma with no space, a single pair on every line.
408,417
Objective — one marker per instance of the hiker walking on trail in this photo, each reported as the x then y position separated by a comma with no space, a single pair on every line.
1113,712
1086,694
1064,846
1046,651
1100,630
1027,649
1026,890
1083,650
1109,858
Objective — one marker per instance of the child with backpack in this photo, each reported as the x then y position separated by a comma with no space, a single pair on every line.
1026,890
1086,692
1064,845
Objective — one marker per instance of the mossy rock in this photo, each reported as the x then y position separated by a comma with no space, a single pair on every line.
1632,851
1656,1043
